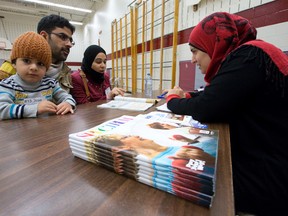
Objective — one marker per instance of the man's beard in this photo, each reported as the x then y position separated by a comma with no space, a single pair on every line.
58,57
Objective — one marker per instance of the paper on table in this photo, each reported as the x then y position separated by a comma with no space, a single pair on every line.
163,107
126,105
130,103
135,99
192,122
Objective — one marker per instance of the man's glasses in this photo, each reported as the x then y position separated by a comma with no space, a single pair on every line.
64,37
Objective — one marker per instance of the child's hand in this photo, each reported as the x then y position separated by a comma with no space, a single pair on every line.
63,108
46,107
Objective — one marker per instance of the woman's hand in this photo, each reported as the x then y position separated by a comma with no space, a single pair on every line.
115,91
176,90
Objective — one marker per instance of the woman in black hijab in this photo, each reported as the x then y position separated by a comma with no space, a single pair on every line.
91,83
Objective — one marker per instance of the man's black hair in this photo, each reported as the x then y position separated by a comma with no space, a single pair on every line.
50,22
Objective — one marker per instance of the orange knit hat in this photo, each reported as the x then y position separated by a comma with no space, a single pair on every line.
32,45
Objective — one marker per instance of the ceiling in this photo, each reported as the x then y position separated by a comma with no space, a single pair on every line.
20,7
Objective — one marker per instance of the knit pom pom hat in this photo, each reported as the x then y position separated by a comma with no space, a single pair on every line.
32,45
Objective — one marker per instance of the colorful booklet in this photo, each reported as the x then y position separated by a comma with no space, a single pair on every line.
163,152
190,120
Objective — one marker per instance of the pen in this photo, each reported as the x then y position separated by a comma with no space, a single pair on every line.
162,95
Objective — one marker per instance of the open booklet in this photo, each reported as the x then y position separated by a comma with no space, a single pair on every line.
162,152
163,107
192,121
129,103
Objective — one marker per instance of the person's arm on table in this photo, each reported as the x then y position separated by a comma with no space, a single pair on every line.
227,91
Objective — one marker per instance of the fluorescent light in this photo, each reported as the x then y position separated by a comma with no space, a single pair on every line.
76,23
59,5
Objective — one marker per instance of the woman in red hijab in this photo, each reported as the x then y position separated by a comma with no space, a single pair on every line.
247,87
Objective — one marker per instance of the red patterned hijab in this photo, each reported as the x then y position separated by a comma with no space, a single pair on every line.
220,33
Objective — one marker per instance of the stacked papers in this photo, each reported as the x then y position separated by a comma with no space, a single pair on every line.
158,149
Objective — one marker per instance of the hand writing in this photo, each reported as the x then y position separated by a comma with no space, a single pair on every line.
176,90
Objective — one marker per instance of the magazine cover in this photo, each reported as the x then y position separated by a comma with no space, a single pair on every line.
155,151
136,169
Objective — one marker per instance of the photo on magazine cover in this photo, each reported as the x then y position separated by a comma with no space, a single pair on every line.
165,153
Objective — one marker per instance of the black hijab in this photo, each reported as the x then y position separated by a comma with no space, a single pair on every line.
89,55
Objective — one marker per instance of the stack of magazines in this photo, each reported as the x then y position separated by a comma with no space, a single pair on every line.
158,149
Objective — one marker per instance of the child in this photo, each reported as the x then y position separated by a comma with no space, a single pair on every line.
29,93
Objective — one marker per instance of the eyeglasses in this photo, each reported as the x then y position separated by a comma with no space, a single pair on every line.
64,37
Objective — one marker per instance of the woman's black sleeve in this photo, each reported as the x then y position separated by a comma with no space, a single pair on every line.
235,84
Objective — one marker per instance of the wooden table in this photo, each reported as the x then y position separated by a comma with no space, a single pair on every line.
40,176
